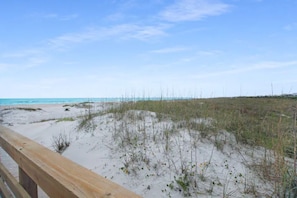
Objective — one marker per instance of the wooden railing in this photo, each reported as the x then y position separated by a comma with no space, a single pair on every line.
53,173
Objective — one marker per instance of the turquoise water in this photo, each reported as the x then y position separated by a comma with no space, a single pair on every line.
28,101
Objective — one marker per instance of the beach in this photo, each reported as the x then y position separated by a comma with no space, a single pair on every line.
141,152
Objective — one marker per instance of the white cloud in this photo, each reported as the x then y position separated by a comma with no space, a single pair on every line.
192,10
124,31
209,53
22,53
268,65
35,61
50,16
5,66
68,17
23,59
291,27
169,50
146,32
60,17
272,65
115,17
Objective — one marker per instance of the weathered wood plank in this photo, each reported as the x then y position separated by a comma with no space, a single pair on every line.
12,183
56,175
28,184
4,192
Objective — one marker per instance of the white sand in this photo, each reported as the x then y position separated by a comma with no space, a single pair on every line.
151,164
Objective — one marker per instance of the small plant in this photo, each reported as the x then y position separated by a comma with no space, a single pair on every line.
87,121
219,144
289,184
167,138
171,185
1,117
203,167
184,183
67,119
60,142
28,109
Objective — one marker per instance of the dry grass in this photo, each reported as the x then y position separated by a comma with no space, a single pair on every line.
254,121
23,109
60,142
269,122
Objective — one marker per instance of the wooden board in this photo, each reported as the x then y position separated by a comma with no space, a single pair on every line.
12,183
56,175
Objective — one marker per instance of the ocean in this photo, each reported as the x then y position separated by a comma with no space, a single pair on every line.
28,101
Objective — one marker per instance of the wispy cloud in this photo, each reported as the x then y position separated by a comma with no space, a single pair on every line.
50,82
50,16
123,31
169,50
209,53
60,17
192,10
6,66
201,53
146,32
272,65
115,17
22,59
22,53
68,17
292,26
268,65
35,61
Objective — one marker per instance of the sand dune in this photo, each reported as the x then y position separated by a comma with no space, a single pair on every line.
152,157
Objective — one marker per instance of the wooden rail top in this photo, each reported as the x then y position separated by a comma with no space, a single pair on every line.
56,175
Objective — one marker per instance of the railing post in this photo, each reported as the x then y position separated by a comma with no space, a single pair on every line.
28,184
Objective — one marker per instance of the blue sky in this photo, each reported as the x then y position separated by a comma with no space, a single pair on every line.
115,48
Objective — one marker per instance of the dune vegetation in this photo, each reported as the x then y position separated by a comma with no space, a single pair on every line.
155,138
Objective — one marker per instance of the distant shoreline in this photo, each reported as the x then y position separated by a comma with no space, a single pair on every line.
34,101
44,101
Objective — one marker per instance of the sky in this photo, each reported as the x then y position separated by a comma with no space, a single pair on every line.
152,48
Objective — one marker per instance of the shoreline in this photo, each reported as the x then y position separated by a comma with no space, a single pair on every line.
29,101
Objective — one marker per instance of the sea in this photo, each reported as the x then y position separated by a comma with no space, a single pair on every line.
28,101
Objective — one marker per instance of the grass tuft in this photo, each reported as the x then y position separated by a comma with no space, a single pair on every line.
60,142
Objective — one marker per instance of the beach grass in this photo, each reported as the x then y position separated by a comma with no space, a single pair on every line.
255,122
266,122
66,119
23,109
